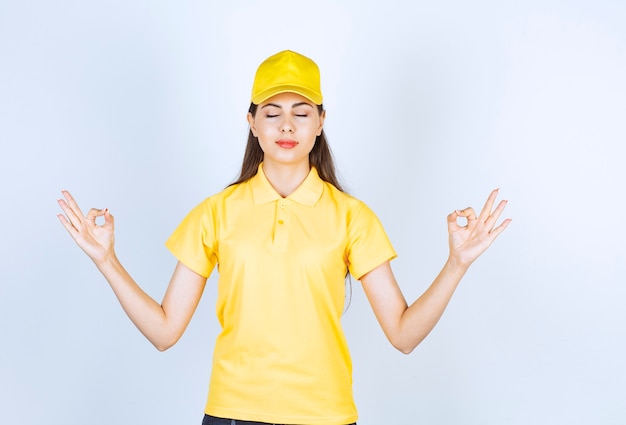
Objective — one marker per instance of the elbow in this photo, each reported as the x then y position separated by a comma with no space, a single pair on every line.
162,347
164,343
405,346
404,349
164,338
407,343
402,346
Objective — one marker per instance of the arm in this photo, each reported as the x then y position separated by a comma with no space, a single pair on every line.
162,324
406,326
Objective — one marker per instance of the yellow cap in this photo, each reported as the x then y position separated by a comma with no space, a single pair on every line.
287,71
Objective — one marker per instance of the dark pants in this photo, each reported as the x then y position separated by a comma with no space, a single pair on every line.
212,420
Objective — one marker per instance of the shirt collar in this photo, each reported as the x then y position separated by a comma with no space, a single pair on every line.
308,193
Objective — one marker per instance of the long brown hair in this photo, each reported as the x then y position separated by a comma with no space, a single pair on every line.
320,156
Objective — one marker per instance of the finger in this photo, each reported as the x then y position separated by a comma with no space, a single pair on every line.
93,214
72,218
108,218
493,218
453,225
71,202
491,199
497,230
70,207
68,226
468,213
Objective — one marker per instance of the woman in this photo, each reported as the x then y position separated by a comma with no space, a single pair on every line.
284,235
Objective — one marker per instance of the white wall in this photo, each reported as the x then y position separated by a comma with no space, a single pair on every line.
140,107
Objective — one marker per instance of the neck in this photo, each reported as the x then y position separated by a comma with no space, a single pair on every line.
285,179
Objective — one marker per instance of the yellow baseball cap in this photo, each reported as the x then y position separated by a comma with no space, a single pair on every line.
287,71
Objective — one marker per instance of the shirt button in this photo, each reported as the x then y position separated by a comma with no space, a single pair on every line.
281,222
282,205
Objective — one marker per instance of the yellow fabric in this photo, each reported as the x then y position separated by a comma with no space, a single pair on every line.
281,356
287,71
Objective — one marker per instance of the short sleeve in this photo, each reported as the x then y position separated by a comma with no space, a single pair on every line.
368,245
193,242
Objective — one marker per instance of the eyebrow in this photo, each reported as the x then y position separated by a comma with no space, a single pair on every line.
295,105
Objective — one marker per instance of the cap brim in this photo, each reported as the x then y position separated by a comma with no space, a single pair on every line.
309,94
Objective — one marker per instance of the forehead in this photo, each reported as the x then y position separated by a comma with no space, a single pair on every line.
286,99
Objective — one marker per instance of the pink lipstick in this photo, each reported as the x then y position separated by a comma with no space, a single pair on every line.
286,144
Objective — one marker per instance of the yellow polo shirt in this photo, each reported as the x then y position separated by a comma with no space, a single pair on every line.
281,356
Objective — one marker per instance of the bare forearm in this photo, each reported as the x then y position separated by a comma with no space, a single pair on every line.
421,317
406,326
143,310
162,324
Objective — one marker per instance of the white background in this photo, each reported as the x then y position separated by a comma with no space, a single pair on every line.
140,107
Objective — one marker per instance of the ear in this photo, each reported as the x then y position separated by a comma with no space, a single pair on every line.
321,126
251,124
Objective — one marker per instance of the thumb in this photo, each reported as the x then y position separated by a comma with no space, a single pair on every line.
453,225
92,214
108,218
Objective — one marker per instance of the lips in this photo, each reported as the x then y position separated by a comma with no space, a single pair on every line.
287,144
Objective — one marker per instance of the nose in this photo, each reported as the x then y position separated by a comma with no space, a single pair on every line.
287,126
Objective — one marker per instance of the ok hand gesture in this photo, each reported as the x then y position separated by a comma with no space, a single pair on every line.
96,240
469,241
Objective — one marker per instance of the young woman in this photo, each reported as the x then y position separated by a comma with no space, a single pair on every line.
284,236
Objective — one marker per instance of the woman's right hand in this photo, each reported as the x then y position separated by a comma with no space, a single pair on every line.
96,240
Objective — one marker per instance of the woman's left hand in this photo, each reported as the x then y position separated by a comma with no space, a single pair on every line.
469,241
